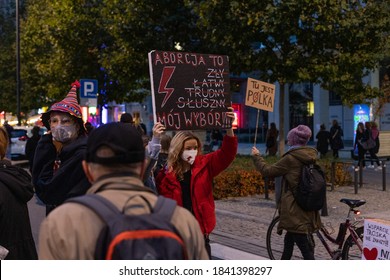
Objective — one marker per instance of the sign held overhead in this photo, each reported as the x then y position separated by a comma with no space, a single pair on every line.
260,95
190,91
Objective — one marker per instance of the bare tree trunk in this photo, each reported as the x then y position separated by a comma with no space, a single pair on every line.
281,120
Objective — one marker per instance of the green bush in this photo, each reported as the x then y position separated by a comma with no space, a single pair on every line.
242,179
342,176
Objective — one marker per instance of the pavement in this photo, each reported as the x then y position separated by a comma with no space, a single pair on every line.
242,222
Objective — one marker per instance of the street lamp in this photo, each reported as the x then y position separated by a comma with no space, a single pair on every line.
17,62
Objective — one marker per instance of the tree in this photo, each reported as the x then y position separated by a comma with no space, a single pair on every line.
104,39
384,98
8,62
138,27
61,42
333,43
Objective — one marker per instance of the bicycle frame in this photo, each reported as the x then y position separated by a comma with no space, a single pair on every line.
350,227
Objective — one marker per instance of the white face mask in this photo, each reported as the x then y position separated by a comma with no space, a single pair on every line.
64,134
189,156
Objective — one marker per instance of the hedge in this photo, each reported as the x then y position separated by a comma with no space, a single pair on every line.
242,178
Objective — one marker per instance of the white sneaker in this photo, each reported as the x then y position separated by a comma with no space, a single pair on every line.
371,166
378,168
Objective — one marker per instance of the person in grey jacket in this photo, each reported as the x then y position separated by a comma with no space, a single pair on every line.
298,223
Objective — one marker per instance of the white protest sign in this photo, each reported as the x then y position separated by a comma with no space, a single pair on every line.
376,240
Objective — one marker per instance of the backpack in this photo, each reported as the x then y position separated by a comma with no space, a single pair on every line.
148,236
311,190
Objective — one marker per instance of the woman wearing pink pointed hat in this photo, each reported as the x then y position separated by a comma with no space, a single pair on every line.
57,172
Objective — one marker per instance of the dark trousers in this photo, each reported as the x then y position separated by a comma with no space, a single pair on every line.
207,244
361,156
374,157
335,153
305,243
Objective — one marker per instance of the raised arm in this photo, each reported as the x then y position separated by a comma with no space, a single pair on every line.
230,114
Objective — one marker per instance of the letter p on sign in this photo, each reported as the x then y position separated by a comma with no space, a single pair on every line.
88,88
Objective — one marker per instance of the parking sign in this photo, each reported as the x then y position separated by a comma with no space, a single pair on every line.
88,88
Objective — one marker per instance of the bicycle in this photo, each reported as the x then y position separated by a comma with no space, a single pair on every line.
347,248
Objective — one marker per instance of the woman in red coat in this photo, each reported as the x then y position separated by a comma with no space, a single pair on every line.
188,176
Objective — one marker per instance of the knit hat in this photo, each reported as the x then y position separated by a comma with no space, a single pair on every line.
299,136
123,139
68,105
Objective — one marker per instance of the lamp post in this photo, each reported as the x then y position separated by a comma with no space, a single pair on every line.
17,62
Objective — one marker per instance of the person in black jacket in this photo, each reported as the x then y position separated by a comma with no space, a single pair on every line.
31,145
336,140
359,137
323,140
271,142
57,170
15,191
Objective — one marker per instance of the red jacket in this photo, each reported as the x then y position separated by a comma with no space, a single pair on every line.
203,170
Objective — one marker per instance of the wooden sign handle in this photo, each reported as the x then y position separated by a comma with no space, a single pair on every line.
257,126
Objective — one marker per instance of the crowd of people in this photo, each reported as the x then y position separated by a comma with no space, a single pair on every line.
117,161
332,139
120,163
367,140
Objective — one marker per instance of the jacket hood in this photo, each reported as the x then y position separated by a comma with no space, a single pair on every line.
305,154
17,180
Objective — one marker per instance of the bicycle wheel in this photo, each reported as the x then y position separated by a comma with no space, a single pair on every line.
275,241
350,250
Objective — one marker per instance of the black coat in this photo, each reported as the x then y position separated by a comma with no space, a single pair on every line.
359,137
323,137
15,228
336,141
69,180
31,145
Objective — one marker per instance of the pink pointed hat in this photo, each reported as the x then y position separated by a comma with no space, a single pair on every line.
68,105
